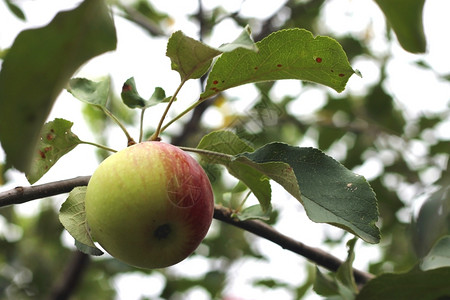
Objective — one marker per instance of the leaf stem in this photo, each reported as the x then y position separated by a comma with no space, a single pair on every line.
208,152
98,146
241,205
141,127
160,129
117,121
191,107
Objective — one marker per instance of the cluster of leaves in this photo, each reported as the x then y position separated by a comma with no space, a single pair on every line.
370,123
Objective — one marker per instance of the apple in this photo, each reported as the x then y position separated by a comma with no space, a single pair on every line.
149,205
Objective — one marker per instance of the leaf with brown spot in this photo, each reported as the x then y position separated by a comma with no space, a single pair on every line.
55,141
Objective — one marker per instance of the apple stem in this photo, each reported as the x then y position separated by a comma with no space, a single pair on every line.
98,146
160,129
109,114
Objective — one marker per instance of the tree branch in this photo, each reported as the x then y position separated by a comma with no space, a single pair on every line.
24,194
267,232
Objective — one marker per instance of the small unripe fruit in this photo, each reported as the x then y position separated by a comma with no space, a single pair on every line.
149,205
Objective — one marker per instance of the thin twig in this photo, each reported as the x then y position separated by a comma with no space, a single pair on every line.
23,194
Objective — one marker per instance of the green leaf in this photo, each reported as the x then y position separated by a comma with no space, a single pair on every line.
90,92
132,99
405,17
192,58
73,217
55,141
229,144
223,142
285,54
345,272
130,95
189,57
330,192
439,255
427,285
158,96
280,172
31,82
341,283
15,10
325,285
432,221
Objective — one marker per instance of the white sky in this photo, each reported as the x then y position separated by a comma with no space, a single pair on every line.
417,90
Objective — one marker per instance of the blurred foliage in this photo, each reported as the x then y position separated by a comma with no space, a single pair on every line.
355,127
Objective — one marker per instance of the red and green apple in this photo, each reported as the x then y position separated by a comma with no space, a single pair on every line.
149,205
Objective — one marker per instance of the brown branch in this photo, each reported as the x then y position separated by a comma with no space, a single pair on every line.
23,194
267,232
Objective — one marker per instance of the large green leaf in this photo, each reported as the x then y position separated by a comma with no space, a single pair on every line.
73,217
55,141
428,285
285,54
405,17
330,192
38,66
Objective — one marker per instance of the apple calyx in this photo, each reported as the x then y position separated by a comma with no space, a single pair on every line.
162,232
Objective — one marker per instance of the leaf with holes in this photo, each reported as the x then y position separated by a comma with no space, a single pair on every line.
72,216
285,54
55,141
